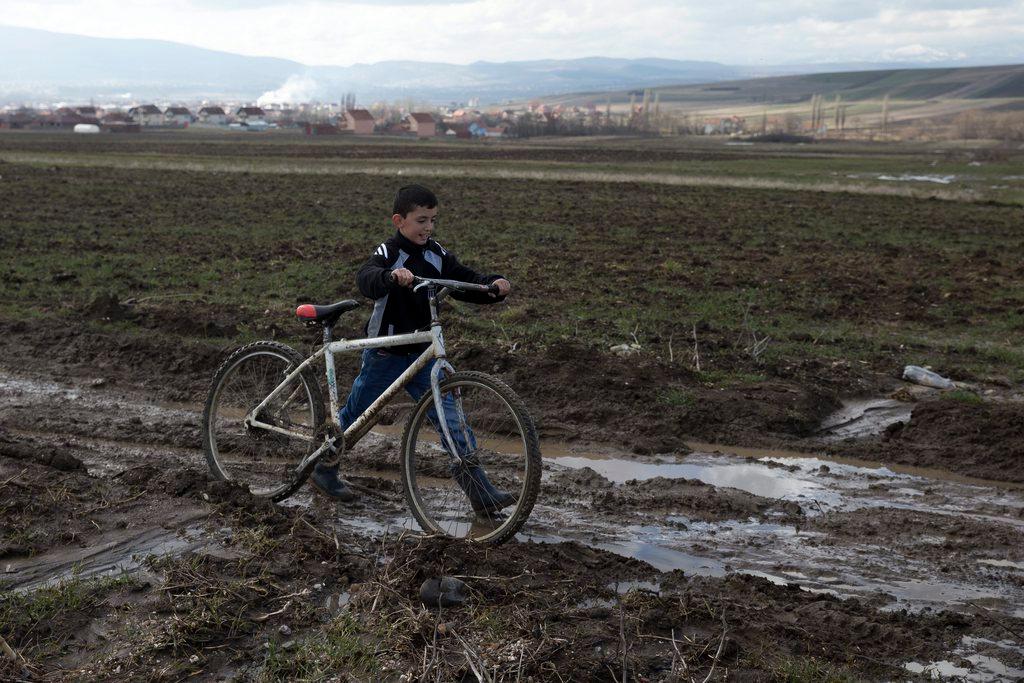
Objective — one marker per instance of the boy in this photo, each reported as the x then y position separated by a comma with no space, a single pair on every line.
387,278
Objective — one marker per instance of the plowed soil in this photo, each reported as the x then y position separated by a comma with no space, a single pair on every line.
644,319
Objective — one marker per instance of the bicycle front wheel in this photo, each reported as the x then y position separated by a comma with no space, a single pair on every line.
262,459
486,491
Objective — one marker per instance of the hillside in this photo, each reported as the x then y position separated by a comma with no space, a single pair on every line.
984,82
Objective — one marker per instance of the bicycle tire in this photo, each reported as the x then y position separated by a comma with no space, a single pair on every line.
231,449
503,433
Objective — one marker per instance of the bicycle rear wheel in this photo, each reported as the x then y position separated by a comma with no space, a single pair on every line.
262,460
497,437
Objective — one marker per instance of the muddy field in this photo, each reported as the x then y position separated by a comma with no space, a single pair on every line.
120,560
751,493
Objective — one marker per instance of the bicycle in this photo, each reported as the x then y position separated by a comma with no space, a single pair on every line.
264,424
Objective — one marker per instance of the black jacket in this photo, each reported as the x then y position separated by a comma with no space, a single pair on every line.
399,310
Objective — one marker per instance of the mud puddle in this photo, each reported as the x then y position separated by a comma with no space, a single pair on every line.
892,573
860,418
978,660
710,469
112,553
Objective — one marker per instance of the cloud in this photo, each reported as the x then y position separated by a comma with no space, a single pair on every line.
297,88
920,53
462,31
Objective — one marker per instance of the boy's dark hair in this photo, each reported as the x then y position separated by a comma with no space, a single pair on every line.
409,197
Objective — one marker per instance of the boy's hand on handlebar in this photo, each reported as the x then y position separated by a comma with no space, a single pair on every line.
503,285
403,276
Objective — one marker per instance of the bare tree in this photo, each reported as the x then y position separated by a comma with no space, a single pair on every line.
792,122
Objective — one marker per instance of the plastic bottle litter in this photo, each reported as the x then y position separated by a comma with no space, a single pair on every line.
918,375
625,350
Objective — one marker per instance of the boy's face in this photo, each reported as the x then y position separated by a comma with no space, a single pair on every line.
418,225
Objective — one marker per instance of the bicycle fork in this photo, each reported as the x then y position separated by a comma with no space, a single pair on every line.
441,364
458,455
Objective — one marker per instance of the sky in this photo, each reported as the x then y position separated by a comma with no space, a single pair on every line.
343,32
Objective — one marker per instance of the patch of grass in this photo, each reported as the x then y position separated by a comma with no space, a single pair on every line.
798,669
963,396
340,647
25,616
729,377
20,537
256,540
682,398
208,606
673,267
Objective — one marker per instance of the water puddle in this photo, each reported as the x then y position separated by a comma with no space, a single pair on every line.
858,419
12,387
908,177
755,478
113,553
663,558
1003,563
976,662
937,670
786,554
335,603
623,587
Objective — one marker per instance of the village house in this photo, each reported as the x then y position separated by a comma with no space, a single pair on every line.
114,117
420,124
463,116
359,121
118,122
481,130
321,129
251,114
19,119
178,116
214,116
146,115
728,125
283,116
88,111
458,130
65,117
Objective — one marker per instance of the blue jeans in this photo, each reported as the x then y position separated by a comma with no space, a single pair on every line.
379,370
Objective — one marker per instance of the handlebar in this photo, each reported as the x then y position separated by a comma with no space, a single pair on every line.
455,285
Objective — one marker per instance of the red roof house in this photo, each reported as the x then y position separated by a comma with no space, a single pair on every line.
423,125
359,121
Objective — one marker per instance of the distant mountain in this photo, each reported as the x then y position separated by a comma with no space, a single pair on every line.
45,66
499,81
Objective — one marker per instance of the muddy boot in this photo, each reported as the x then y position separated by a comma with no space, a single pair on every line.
481,492
325,479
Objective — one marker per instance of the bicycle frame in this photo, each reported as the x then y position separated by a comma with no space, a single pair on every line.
371,415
